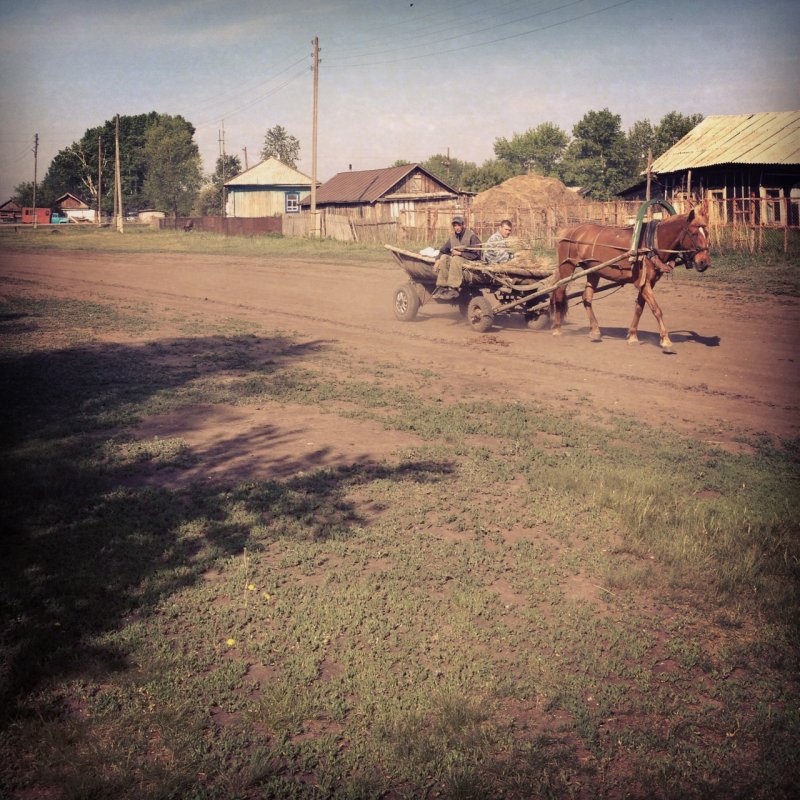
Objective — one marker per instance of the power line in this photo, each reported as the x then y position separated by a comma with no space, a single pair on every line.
492,41
258,100
228,95
459,27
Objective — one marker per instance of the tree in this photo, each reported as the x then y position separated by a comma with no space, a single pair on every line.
599,158
23,194
278,143
173,165
210,198
672,128
449,170
537,150
641,138
74,169
490,173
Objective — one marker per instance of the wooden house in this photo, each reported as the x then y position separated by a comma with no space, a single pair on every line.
267,189
404,194
74,208
10,211
748,165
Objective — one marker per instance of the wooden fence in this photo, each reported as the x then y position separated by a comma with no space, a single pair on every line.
229,226
750,224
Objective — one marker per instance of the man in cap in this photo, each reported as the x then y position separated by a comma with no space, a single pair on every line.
462,247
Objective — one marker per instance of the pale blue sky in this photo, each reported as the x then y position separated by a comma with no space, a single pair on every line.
397,79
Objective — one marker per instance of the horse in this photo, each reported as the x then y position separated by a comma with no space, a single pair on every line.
681,238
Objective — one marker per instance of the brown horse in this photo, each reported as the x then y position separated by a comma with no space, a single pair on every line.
681,238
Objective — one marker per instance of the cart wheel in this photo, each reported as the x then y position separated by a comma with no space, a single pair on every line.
538,322
406,302
479,314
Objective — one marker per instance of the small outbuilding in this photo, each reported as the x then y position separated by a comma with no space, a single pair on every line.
267,189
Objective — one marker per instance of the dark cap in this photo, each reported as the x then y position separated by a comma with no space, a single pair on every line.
458,218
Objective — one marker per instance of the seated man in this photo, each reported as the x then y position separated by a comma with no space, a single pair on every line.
496,250
462,247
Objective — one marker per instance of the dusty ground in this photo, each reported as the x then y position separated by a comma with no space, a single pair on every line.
733,372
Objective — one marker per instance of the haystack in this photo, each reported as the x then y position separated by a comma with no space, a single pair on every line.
533,192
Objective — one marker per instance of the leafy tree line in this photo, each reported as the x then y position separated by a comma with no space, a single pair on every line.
600,156
161,168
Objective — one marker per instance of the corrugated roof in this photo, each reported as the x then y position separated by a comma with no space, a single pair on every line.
765,138
270,172
367,186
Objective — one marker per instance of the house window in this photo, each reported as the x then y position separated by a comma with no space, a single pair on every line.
718,206
772,200
794,205
292,202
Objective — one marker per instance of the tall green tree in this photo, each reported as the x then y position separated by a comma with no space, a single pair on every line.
490,173
672,128
641,138
537,150
74,169
23,194
210,198
280,144
174,173
599,158
449,169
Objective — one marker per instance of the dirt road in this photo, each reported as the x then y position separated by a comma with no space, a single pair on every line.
733,372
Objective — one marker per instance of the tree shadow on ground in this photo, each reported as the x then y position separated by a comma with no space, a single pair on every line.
83,550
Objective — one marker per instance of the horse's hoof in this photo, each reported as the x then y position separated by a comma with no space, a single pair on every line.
595,337
556,332
667,350
633,340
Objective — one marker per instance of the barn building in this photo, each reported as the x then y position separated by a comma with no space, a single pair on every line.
748,164
267,189
403,194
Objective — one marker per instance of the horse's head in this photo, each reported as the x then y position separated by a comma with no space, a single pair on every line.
693,240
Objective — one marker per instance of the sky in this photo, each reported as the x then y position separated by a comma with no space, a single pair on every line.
397,79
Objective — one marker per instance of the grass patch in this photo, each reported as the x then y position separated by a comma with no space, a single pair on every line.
145,239
524,605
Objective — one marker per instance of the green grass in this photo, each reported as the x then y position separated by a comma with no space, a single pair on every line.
145,239
521,604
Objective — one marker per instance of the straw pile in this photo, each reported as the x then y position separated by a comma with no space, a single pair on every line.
525,191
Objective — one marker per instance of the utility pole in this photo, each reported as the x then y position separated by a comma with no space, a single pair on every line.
649,172
99,179
118,179
315,68
222,164
246,165
35,167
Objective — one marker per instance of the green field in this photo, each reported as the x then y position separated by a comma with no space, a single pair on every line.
521,604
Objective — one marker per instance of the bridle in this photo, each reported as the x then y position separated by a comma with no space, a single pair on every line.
699,242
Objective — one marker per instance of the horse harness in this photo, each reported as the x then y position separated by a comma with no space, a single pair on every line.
648,248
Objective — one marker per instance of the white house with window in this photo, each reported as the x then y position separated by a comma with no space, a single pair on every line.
270,188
